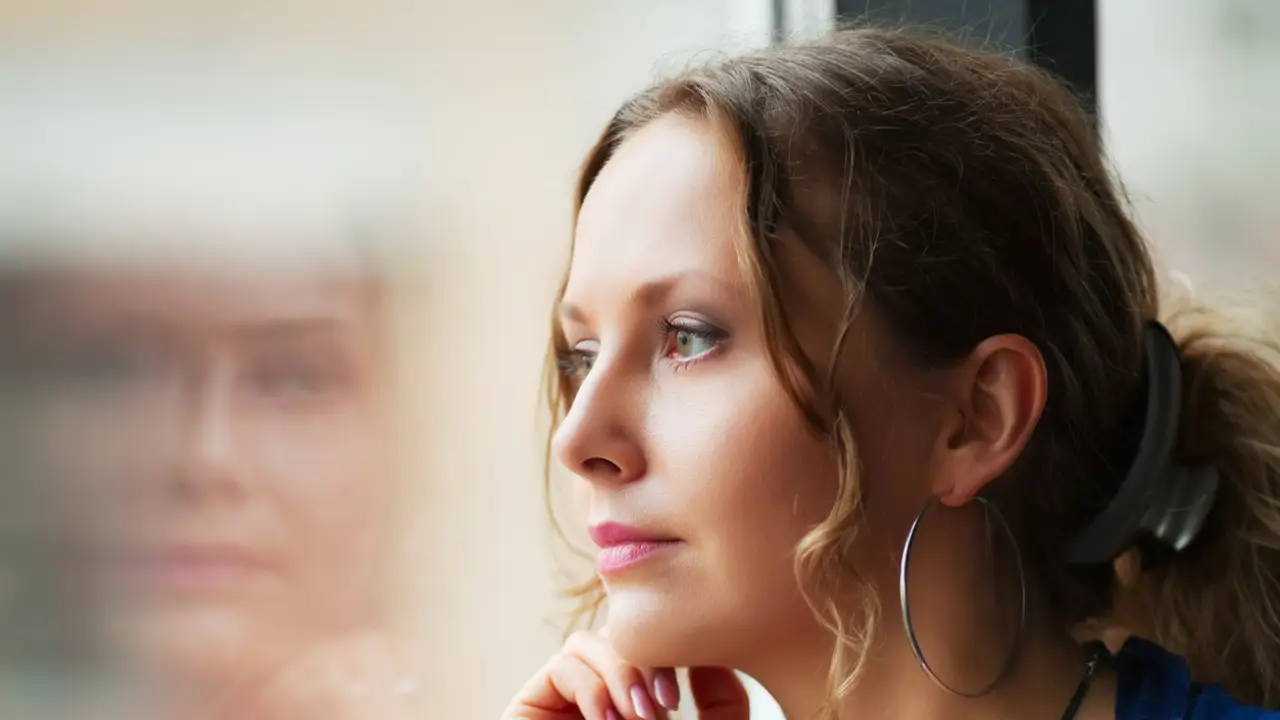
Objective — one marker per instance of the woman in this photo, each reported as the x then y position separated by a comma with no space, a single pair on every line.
861,367
215,445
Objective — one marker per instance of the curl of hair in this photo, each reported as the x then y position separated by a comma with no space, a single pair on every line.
1219,602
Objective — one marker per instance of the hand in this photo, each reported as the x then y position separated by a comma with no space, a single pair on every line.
718,694
587,680
358,678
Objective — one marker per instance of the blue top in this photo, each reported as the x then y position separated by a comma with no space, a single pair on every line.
1153,684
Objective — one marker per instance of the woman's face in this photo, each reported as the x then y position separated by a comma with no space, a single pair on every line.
681,428
224,439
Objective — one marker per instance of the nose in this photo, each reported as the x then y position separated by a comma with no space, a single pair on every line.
209,462
599,438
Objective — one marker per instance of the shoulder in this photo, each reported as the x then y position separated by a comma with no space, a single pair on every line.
1154,684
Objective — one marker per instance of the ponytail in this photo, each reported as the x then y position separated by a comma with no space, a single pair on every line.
1218,601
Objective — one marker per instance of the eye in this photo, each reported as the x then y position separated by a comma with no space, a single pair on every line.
289,381
292,379
577,362
690,340
103,367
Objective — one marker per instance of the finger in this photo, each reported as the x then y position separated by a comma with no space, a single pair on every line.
580,684
664,689
718,694
661,682
256,680
647,678
378,681
565,688
291,693
663,686
630,690
360,677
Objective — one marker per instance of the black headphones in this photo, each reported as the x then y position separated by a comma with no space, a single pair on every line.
1161,504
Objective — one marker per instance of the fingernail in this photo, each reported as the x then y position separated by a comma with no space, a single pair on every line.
668,692
640,699
612,714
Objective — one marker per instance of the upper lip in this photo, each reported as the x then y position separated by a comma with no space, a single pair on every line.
192,553
609,534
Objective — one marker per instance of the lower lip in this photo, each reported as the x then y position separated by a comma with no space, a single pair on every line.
184,576
616,558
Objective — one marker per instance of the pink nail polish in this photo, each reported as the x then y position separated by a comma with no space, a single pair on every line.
644,708
667,691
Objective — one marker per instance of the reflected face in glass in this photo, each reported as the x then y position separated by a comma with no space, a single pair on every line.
700,473
225,438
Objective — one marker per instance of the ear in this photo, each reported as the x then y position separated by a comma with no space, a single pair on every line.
995,399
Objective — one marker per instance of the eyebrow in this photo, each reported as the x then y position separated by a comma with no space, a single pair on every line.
285,328
255,331
651,293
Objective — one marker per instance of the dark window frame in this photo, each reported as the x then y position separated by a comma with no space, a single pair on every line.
1059,35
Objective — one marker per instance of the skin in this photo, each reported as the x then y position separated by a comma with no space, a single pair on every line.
681,427
246,410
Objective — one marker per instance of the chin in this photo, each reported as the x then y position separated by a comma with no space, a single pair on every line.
651,629
194,647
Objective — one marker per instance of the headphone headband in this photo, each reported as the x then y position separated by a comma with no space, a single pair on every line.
1160,502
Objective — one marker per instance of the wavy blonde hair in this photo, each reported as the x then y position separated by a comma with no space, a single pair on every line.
963,194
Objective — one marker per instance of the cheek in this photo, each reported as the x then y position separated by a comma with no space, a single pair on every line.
751,477
326,472
109,433
581,496
896,433
97,464
327,485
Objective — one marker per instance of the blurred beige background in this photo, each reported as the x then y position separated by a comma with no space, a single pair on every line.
509,94
508,97
1190,118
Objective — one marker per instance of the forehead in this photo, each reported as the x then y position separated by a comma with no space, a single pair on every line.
672,201
669,201
198,298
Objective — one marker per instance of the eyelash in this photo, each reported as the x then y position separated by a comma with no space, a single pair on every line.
575,364
700,331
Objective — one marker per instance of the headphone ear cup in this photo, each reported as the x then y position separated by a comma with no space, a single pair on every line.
1177,520
1161,505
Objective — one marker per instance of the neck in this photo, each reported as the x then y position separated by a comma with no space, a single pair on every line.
1047,671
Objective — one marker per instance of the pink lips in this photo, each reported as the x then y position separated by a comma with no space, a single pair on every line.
622,546
184,569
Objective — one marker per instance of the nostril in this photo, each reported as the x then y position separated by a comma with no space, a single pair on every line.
599,467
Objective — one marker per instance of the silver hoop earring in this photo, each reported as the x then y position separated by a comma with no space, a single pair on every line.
904,598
